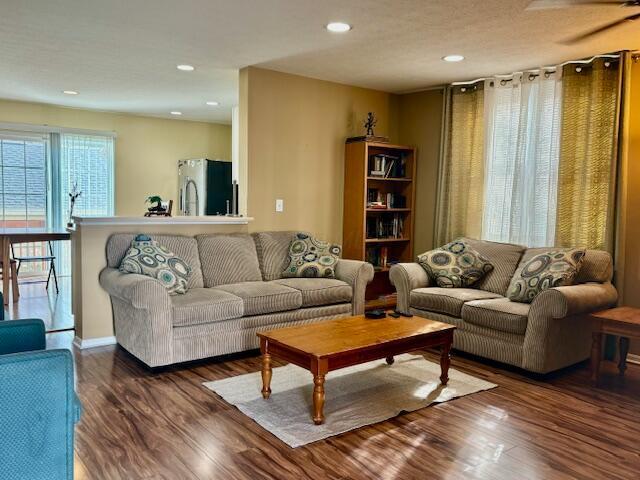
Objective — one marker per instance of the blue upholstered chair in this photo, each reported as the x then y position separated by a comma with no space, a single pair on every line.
38,405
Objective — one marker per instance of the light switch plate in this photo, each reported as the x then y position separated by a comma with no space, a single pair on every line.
279,205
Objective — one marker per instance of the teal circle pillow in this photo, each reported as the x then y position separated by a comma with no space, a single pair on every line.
310,257
553,268
147,257
455,265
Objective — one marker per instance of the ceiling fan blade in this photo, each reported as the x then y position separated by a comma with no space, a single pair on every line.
553,4
602,29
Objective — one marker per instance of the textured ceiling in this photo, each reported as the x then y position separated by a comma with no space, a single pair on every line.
121,54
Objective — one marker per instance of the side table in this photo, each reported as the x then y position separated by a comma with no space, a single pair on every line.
623,322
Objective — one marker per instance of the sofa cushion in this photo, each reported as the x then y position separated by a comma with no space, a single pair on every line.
446,300
204,305
264,297
273,252
455,265
504,257
546,269
184,247
228,259
319,291
497,314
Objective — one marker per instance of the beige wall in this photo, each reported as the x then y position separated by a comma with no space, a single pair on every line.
295,131
147,149
420,122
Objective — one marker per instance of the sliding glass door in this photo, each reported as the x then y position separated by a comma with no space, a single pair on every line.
37,172
24,190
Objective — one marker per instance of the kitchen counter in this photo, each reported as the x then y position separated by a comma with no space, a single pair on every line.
201,220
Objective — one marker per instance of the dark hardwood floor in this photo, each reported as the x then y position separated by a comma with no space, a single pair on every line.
139,424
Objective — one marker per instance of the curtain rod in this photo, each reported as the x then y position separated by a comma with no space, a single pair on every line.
548,69
45,129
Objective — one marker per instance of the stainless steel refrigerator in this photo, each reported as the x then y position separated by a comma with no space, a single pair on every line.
204,187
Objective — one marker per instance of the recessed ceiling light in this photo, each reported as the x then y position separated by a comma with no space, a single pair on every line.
70,92
212,103
338,27
175,112
453,58
186,68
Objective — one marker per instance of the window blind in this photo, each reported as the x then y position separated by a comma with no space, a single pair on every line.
86,161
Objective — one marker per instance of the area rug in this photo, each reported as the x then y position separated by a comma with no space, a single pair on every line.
354,396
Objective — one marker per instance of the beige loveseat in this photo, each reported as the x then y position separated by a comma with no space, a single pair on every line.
235,290
550,333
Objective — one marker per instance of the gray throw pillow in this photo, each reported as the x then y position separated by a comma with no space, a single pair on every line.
147,257
455,265
309,257
554,268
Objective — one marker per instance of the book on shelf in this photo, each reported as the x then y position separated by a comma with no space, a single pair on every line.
377,199
376,205
387,166
381,227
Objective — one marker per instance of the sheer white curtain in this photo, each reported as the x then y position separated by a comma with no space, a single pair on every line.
522,133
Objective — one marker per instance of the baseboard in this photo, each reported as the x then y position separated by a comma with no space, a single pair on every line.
632,358
83,344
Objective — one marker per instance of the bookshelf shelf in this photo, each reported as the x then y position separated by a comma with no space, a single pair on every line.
384,179
381,236
386,240
396,210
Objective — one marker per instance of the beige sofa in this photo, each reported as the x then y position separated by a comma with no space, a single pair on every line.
235,290
550,333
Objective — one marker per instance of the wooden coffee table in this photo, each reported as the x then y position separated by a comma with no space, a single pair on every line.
334,344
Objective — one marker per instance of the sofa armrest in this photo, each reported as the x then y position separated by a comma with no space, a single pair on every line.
558,332
406,277
142,315
560,302
22,336
39,409
358,274
138,290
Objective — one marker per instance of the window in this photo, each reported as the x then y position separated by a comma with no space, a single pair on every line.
522,156
23,189
85,161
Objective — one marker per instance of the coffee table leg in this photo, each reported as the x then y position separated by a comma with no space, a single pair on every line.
445,360
318,399
266,369
390,360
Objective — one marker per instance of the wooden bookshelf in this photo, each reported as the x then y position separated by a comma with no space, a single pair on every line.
359,187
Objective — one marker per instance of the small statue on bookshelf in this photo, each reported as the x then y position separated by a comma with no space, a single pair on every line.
369,123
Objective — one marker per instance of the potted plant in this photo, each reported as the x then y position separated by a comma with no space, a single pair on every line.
157,200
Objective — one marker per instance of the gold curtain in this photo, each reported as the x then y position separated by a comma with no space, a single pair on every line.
461,181
588,147
623,188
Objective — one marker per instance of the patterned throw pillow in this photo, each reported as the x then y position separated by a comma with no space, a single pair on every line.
309,257
554,268
456,265
147,257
